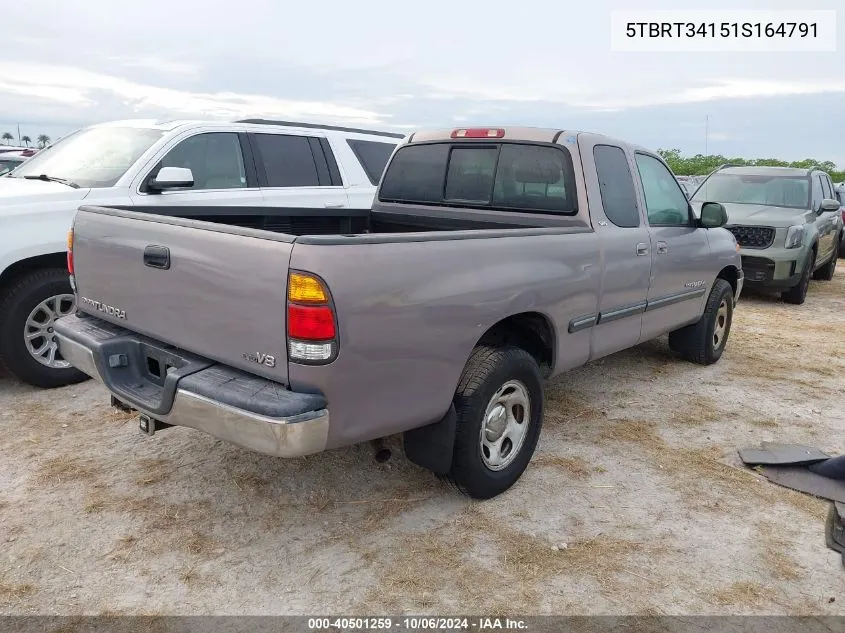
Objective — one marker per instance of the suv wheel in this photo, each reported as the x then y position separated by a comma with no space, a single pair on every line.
28,347
826,272
499,402
704,341
798,293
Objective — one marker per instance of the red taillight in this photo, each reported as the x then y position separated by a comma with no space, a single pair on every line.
311,323
478,132
312,335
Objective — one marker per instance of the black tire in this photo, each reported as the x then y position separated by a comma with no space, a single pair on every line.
488,370
16,304
798,293
826,272
698,343
842,244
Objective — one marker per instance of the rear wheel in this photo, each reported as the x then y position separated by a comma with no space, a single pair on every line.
798,293
28,311
499,406
704,341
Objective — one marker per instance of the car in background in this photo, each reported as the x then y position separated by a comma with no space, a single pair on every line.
165,167
840,195
786,221
10,159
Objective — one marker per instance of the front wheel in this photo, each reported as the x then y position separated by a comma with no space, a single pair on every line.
28,347
704,341
798,293
499,406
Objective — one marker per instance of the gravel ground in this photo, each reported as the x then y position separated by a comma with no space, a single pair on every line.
635,502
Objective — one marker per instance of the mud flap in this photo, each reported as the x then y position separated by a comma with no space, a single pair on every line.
432,446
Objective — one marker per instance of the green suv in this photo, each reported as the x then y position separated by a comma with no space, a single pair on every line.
786,221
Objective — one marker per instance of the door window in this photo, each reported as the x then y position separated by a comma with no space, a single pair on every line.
215,159
666,203
616,186
827,190
288,160
818,191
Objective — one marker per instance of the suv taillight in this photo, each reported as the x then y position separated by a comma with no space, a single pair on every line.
70,259
312,328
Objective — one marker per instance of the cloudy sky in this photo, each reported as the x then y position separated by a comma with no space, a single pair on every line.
391,64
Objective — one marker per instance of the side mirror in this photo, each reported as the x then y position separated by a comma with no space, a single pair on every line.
172,178
829,204
713,215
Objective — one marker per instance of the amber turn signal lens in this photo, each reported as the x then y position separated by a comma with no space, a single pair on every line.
304,288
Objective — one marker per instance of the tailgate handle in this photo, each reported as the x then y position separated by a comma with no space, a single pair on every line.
157,257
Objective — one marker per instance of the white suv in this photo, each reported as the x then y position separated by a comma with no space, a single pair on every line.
169,167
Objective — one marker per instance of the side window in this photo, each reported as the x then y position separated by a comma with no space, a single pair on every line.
818,191
827,190
373,157
215,159
288,161
616,186
665,202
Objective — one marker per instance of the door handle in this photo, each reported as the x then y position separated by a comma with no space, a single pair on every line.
662,248
334,205
642,249
157,257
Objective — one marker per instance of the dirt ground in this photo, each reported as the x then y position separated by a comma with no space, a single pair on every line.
635,502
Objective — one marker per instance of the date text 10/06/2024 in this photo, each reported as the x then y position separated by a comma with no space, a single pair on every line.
416,624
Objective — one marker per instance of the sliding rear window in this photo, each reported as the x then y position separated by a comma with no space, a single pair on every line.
512,176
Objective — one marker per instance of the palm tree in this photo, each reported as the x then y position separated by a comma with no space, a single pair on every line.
26,140
7,137
43,141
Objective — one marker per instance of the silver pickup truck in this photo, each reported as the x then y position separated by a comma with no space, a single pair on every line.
491,259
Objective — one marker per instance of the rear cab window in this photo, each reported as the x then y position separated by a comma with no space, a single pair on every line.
512,176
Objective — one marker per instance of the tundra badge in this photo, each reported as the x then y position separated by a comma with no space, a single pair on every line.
694,284
261,359
102,307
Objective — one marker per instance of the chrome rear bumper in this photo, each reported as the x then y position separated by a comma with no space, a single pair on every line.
302,433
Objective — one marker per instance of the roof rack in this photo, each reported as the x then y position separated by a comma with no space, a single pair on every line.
318,126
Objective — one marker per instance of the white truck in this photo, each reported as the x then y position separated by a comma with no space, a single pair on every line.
309,172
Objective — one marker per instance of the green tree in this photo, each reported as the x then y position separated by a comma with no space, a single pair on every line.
43,141
26,140
7,137
700,165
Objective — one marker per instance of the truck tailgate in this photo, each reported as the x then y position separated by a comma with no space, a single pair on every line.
218,292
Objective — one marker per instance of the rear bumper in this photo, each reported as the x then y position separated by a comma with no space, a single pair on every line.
231,405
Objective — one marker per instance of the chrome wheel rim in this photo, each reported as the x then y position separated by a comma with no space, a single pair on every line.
505,425
720,329
38,332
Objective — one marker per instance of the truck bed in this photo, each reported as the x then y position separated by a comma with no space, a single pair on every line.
350,222
212,280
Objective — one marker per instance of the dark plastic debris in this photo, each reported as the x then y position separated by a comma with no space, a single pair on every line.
833,468
775,454
801,479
